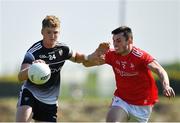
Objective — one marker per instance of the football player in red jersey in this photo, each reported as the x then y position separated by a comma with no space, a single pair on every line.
136,91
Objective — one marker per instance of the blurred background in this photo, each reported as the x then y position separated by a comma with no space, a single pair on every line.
86,93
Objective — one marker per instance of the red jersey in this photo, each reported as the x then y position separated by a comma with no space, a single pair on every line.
134,81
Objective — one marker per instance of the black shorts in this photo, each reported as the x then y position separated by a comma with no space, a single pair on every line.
41,111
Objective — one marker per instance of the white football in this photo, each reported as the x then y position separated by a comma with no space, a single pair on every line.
39,73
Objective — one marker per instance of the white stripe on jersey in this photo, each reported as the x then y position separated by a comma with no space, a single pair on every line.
35,47
137,53
56,62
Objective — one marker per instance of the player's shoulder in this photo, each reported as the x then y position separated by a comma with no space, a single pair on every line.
138,52
111,52
36,46
62,47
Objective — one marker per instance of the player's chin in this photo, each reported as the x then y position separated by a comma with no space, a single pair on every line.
117,51
52,41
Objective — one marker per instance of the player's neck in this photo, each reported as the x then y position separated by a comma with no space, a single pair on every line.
129,49
49,45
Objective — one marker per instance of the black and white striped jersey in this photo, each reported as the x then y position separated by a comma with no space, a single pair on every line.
55,57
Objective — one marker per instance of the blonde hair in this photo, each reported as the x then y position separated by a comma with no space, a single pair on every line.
51,21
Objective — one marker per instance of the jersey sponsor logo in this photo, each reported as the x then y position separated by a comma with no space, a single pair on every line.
137,53
124,73
43,56
55,70
125,68
50,57
125,65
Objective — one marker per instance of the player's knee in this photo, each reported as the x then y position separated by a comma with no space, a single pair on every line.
116,115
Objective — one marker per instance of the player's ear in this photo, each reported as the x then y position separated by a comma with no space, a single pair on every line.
130,40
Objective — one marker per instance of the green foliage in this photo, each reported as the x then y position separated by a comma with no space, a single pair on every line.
90,86
94,110
9,78
173,70
174,74
174,66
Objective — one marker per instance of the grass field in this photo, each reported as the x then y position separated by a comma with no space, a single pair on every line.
94,110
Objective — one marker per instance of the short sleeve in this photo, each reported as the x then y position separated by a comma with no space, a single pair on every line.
147,58
28,58
67,52
70,54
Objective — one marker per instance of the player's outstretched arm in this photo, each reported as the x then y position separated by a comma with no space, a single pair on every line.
162,74
96,58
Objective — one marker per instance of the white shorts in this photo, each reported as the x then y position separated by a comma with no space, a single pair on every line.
138,113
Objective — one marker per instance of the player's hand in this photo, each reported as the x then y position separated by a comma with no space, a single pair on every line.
39,61
102,48
94,57
168,92
99,53
98,56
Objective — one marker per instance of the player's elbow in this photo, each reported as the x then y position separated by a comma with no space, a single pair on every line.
20,76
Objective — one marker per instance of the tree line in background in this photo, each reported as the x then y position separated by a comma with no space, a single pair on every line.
9,86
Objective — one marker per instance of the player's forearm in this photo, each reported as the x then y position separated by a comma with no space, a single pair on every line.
23,74
96,58
159,70
78,57
89,63
93,60
86,60
162,74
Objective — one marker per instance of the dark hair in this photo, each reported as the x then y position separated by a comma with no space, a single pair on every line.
126,31
50,21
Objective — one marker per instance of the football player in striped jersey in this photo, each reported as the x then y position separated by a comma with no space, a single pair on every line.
39,102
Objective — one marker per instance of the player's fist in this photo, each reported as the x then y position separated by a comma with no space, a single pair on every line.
103,48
